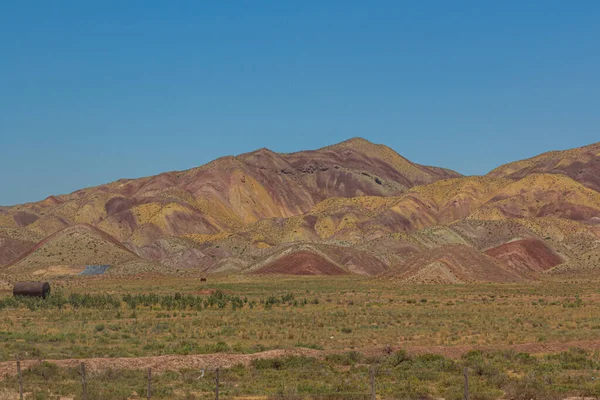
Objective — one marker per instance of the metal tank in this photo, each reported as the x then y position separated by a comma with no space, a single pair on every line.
36,289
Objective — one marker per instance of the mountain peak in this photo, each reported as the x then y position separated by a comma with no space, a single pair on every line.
355,143
356,140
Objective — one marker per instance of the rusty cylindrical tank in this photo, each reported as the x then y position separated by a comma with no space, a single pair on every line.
36,289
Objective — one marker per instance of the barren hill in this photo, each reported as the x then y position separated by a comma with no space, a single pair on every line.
526,255
453,264
441,203
581,164
354,207
302,263
318,258
75,245
226,194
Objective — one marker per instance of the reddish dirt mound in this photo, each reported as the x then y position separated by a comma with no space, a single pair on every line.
453,264
162,363
24,218
526,255
353,260
220,360
302,263
11,249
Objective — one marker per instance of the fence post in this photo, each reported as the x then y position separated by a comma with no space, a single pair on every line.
83,381
217,384
20,378
466,373
149,383
372,376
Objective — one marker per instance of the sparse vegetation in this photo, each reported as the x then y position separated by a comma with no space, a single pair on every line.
398,376
114,318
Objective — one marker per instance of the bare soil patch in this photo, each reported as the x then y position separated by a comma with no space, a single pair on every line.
527,255
163,363
221,360
302,263
453,264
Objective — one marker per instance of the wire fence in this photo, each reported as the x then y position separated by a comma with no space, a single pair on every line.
220,387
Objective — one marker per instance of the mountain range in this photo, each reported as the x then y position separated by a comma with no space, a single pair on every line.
351,208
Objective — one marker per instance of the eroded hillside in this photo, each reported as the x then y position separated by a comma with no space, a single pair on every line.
354,207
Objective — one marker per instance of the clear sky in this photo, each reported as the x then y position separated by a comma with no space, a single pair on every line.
93,91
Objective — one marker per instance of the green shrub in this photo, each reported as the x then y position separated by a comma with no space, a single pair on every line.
348,358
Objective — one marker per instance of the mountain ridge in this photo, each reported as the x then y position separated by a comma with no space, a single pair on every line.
234,211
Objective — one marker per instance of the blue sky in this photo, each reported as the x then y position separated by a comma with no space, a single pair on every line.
93,91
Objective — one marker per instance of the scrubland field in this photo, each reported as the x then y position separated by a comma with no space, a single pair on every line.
330,272
299,337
